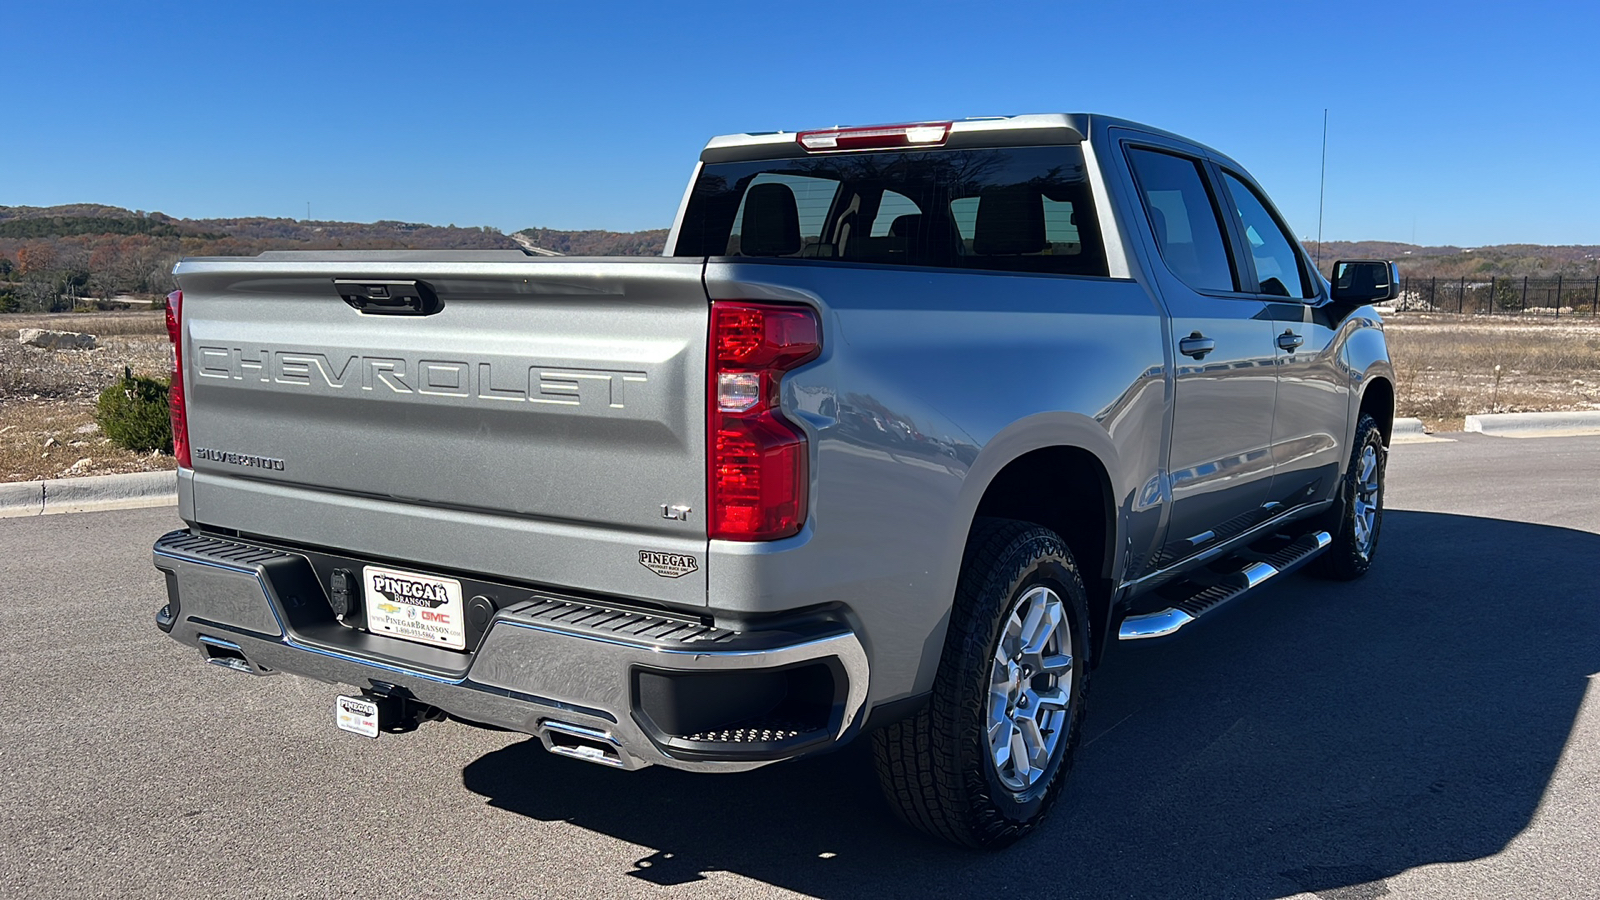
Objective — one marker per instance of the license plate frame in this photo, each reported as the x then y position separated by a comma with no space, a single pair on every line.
414,606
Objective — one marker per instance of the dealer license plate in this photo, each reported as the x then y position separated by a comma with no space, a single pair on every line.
419,608
356,714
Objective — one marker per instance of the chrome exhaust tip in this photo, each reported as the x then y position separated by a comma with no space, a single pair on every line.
228,655
587,744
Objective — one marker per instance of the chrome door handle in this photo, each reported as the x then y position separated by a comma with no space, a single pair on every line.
1289,340
1196,345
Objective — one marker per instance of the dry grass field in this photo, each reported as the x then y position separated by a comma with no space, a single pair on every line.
1445,366
47,398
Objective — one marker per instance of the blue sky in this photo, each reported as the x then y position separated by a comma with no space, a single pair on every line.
1451,123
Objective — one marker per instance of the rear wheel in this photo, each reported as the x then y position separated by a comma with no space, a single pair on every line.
1357,518
983,762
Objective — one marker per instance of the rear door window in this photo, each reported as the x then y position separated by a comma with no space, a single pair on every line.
1183,218
1020,209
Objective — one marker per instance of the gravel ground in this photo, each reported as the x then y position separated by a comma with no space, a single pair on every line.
47,397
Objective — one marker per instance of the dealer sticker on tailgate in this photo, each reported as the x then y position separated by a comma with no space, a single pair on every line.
419,608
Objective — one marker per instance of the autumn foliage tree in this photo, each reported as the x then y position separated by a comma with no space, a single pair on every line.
35,258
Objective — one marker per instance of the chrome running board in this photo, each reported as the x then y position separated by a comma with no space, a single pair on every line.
1168,621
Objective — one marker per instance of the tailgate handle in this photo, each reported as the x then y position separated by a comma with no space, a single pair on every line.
383,297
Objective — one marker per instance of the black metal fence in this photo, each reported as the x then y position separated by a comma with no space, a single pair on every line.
1553,297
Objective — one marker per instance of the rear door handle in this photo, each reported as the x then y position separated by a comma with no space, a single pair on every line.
1289,340
1196,345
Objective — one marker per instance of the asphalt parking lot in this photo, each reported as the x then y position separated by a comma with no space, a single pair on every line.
1431,731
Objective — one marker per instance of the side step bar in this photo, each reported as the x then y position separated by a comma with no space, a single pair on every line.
1168,621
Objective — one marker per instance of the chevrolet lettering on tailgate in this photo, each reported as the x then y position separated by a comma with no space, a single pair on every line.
439,377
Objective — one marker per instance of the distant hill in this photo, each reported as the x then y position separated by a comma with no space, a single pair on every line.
51,257
1500,261
598,243
21,223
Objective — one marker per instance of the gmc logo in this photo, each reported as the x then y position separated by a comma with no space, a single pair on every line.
431,616
514,383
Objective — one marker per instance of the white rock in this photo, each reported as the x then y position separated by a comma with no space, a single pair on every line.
56,340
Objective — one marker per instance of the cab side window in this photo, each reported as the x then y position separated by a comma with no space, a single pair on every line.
1277,265
1184,219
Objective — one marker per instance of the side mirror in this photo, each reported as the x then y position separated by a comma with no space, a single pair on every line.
1365,281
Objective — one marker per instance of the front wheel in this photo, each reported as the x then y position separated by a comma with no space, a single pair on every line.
1357,518
983,762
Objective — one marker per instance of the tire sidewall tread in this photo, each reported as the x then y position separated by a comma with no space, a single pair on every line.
935,767
1342,561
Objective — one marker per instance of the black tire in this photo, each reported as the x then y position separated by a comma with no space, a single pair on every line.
1350,555
936,768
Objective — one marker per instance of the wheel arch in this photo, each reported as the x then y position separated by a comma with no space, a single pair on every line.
1070,489
1378,401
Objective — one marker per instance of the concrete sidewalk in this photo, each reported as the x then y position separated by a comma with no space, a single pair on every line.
94,492
1539,424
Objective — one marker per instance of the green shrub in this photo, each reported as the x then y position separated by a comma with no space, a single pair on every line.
133,414
1507,295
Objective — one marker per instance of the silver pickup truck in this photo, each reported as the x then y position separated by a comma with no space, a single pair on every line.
907,426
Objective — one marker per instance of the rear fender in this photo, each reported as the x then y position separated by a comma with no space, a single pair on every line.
1037,432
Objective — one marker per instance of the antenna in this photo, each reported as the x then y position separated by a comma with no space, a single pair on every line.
1322,186
1324,140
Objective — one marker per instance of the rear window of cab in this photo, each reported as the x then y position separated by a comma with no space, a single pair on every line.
1018,209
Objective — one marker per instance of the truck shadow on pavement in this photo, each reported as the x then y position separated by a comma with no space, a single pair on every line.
1321,737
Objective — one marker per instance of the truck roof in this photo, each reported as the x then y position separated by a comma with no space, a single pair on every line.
976,131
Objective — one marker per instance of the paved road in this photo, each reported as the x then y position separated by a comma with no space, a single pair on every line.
1429,732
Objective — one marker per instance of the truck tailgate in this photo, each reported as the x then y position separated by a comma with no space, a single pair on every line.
532,428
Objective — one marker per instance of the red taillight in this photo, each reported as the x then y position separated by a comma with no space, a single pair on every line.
175,402
757,459
875,137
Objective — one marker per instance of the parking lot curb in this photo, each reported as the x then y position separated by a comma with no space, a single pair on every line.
94,492
1412,431
1529,425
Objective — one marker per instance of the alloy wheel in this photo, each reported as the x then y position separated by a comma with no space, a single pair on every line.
1366,500
1030,688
